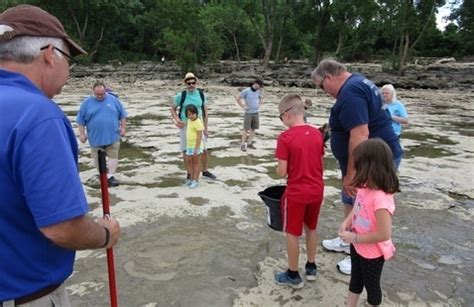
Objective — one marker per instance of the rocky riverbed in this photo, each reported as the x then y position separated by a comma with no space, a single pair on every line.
211,247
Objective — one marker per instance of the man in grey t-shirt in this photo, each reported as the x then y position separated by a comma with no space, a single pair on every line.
252,97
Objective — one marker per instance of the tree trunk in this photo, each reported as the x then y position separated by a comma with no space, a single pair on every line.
404,54
340,43
97,43
237,52
268,51
280,43
81,31
425,26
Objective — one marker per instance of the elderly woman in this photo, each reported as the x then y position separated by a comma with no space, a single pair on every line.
394,108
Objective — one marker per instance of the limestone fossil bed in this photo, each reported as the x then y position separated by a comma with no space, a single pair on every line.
210,246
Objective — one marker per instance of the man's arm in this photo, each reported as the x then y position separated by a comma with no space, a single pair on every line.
239,101
83,233
82,133
123,126
175,117
358,134
205,119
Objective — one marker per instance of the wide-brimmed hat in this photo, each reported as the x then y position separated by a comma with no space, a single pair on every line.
189,76
28,20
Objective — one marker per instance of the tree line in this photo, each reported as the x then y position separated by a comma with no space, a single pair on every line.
199,31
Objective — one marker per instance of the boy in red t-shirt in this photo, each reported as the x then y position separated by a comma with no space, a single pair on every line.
299,151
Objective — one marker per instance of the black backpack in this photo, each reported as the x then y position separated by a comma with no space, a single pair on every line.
183,98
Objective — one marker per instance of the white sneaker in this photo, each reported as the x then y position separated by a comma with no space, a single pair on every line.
337,245
345,266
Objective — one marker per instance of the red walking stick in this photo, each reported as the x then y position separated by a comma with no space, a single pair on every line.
105,205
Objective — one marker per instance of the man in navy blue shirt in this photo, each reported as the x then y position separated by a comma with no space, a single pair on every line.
356,116
43,209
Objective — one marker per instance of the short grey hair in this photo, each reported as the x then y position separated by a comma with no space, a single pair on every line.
25,49
328,67
391,89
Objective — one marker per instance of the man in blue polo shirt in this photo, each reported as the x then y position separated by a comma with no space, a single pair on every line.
356,116
43,209
105,119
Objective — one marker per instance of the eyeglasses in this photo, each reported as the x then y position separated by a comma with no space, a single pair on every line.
191,83
281,114
321,84
70,59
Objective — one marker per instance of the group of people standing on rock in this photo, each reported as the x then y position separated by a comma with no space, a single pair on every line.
368,152
42,201
365,127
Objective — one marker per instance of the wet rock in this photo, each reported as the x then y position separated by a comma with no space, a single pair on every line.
441,74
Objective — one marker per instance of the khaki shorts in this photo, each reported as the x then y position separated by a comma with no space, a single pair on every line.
251,121
111,150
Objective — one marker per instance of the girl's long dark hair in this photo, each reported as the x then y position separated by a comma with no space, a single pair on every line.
374,166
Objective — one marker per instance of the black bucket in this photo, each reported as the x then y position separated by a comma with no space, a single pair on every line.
271,197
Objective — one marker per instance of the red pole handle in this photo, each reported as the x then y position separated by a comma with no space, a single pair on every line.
104,185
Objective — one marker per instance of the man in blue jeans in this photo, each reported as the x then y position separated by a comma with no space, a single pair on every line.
356,116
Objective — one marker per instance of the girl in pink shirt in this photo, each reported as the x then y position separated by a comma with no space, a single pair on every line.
369,225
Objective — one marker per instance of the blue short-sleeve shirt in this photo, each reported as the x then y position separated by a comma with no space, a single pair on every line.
252,99
359,103
398,109
102,119
39,187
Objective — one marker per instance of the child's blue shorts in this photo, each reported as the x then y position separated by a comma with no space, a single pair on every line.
190,151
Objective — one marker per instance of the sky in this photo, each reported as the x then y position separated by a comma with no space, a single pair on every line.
443,12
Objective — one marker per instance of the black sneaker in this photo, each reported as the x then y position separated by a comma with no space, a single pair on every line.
251,146
113,182
311,271
209,175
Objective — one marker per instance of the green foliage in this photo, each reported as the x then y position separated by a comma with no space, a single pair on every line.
194,32
391,64
464,15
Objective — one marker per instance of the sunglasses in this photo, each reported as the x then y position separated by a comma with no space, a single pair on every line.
191,83
70,59
281,114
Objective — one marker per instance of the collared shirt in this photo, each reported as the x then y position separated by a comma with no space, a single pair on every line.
252,99
102,119
39,187
396,108
359,103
